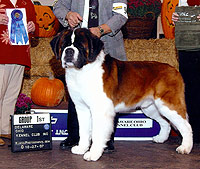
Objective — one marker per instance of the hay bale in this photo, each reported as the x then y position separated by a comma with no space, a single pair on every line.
27,85
40,66
40,57
161,50
40,70
44,61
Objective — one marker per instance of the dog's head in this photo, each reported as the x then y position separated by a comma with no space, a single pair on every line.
76,48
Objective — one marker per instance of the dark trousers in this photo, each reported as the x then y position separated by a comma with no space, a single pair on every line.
72,121
189,66
73,126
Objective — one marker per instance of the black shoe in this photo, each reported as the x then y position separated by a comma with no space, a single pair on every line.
110,147
68,143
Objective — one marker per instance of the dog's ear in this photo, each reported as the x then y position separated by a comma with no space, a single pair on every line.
95,46
57,42
55,45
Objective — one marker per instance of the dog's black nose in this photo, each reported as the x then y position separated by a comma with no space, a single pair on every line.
69,55
69,52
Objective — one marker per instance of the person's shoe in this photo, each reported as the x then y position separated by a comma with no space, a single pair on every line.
2,143
68,143
110,147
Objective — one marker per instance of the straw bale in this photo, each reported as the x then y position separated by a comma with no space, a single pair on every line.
40,70
42,53
40,57
44,61
161,50
27,85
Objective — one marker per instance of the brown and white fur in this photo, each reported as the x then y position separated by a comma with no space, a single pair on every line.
100,85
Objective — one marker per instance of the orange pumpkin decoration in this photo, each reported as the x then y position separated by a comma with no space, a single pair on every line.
47,21
167,9
47,91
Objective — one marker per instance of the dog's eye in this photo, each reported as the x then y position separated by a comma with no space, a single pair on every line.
64,45
79,46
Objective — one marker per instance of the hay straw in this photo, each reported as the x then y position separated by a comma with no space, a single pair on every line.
42,53
27,85
161,50
43,59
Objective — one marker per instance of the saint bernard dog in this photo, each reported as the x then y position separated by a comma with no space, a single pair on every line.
100,86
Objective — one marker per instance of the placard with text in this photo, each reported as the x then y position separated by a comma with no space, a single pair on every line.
31,132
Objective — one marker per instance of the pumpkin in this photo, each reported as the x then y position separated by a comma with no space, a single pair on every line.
167,9
47,91
47,21
193,2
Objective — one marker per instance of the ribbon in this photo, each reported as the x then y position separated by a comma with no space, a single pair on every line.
18,30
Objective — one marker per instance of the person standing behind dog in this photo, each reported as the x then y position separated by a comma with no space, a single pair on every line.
189,67
104,18
13,60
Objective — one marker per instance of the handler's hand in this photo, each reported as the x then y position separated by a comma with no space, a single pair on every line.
175,17
30,26
3,18
198,16
73,19
95,31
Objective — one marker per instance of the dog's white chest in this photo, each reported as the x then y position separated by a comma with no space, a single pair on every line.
85,84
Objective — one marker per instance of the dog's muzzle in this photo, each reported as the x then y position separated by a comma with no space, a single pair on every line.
69,56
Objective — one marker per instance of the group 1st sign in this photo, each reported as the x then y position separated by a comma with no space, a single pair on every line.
31,132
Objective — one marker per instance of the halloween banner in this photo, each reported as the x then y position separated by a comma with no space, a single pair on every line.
17,26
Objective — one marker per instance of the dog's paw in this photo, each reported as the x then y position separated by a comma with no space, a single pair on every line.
79,150
159,139
89,156
183,149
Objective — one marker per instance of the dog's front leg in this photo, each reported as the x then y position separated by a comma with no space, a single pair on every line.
84,120
102,127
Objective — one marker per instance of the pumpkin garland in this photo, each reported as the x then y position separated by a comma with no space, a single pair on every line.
47,91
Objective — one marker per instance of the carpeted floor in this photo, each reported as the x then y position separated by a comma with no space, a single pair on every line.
128,155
